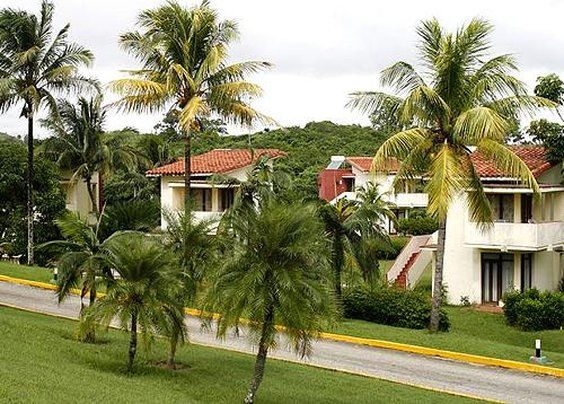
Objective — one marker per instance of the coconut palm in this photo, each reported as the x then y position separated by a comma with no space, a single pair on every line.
78,144
195,248
81,262
275,273
183,54
460,100
35,64
143,297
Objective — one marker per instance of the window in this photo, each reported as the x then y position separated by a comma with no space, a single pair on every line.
497,276
526,208
202,199
526,271
502,207
226,198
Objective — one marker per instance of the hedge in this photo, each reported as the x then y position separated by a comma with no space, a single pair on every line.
391,252
533,310
391,306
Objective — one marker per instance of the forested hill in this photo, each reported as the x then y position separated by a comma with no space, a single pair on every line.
309,148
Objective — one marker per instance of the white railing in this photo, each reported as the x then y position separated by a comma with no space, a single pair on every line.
418,267
416,200
411,247
516,235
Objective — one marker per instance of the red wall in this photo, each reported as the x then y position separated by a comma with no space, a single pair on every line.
330,183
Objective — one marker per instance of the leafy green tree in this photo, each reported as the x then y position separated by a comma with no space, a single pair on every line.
143,297
78,144
274,273
35,64
136,215
460,99
184,53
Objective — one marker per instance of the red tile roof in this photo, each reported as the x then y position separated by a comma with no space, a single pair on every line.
217,161
365,163
533,156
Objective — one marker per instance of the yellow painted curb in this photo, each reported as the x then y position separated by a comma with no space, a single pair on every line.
360,374
415,349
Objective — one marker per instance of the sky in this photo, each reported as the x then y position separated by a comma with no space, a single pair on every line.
321,49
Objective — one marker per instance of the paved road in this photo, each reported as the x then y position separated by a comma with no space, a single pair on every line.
487,382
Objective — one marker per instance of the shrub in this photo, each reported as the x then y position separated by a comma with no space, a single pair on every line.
534,310
391,252
418,223
391,306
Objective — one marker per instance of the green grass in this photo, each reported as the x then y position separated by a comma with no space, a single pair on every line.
24,272
473,332
41,362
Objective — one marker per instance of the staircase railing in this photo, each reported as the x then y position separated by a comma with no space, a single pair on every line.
411,247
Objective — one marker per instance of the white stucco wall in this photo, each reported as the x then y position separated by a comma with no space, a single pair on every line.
76,195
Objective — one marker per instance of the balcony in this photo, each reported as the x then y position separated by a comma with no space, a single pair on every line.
409,200
516,236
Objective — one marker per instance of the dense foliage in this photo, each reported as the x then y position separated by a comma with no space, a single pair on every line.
534,310
49,199
391,306
418,223
390,252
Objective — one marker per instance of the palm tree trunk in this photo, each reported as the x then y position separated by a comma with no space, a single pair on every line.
187,172
438,279
173,343
338,261
92,196
132,341
260,361
29,185
91,332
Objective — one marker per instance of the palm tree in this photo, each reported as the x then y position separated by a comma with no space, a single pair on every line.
35,64
355,227
143,297
459,101
78,144
81,262
275,273
183,53
196,249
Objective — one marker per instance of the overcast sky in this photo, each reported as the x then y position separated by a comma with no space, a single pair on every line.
321,49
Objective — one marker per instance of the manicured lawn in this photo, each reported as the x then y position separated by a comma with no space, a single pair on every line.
472,332
48,365
24,272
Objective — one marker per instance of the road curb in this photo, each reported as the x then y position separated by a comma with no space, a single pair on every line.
414,349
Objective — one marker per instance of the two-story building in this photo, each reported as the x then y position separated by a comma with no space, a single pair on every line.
344,175
211,198
524,246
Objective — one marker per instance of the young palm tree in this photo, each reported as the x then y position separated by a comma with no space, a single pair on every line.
459,101
184,53
196,249
143,297
275,273
78,144
36,63
356,229
81,262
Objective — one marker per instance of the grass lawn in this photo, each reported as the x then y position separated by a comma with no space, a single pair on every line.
49,366
24,272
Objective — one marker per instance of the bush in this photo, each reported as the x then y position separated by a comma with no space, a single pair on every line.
418,223
533,310
392,251
391,306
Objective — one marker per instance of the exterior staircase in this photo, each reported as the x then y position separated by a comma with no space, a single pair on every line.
411,262
401,279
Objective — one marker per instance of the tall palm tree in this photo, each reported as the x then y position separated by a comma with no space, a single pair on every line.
459,101
183,53
143,296
355,227
195,248
81,262
36,63
78,144
275,273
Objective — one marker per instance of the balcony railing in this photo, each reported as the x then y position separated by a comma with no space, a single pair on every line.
411,200
516,236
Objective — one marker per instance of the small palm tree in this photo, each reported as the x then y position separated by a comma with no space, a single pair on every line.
192,243
184,53
78,144
35,64
460,100
143,297
275,273
81,262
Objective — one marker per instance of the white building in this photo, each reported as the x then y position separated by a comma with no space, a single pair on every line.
211,198
344,175
77,198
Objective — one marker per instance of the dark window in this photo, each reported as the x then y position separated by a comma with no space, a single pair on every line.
502,207
526,271
202,199
227,196
497,276
526,208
